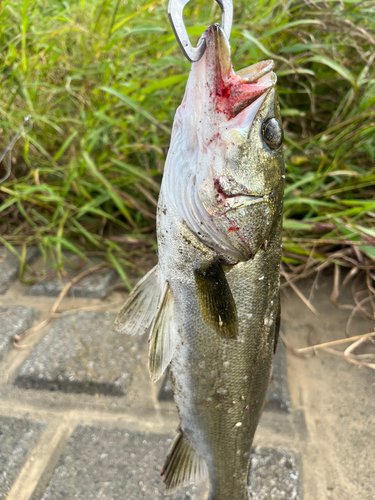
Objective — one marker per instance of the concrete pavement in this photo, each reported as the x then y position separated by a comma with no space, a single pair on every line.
80,418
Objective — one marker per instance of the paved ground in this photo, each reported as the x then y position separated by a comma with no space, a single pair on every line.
79,417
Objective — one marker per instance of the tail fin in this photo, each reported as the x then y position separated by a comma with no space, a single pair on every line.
183,465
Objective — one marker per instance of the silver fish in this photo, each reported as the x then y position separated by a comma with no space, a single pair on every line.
211,305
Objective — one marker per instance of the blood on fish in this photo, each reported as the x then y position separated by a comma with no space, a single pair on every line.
214,138
219,188
233,95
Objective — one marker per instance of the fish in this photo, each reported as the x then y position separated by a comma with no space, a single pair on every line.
211,305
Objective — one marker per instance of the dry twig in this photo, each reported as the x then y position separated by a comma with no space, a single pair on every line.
53,313
348,354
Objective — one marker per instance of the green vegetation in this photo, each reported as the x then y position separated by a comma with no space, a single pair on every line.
102,79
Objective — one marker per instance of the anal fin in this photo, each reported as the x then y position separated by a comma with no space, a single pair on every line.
139,310
216,300
162,336
183,465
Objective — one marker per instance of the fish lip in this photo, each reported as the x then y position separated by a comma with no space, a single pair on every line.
242,200
241,196
253,73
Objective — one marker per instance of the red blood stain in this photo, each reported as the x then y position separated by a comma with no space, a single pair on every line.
219,188
214,137
234,92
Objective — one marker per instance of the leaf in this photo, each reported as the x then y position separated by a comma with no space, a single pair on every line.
296,71
110,189
137,12
292,112
366,230
162,84
138,108
308,201
295,224
260,46
368,250
336,67
293,24
305,180
120,271
65,146
67,245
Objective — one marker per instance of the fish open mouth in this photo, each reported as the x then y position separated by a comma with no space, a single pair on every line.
233,91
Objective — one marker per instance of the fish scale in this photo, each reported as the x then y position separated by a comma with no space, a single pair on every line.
209,373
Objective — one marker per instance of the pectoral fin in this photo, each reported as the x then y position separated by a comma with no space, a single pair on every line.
216,300
139,310
162,336
183,465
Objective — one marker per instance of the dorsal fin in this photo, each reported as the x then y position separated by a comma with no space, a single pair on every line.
216,300
162,336
139,310
183,465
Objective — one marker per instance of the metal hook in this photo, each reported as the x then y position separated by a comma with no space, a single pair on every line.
26,126
175,9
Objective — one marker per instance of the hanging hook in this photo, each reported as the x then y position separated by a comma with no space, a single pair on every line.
175,9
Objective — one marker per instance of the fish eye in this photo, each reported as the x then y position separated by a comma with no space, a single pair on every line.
272,133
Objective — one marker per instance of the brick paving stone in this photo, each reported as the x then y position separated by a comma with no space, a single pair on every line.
114,464
13,321
10,265
274,475
278,391
17,439
81,353
92,286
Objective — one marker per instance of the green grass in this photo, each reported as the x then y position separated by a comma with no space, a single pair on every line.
102,80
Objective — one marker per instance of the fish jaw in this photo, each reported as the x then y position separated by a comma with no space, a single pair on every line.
213,140
229,93
248,187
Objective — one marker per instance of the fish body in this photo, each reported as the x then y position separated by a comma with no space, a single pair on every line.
211,305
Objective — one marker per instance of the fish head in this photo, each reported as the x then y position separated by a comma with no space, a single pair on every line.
232,177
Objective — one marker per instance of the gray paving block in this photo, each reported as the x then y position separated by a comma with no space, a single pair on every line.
81,353
17,439
274,475
10,265
92,286
278,397
166,393
278,391
13,321
114,464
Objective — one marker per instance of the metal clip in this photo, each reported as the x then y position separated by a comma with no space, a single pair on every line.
175,9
